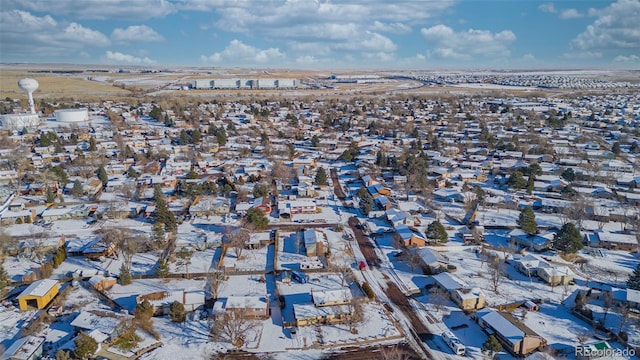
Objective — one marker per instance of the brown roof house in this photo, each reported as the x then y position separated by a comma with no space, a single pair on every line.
515,337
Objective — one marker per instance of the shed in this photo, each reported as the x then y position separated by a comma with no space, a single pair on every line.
38,295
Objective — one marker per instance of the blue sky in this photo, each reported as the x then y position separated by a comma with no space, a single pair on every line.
383,34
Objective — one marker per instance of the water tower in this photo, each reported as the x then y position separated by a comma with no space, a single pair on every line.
29,86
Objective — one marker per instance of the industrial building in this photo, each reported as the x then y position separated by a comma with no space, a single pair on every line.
239,83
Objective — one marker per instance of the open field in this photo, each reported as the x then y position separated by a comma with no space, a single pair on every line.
94,82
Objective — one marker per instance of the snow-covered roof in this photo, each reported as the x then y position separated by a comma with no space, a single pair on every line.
89,321
246,302
23,348
331,296
430,257
501,325
305,311
38,288
449,282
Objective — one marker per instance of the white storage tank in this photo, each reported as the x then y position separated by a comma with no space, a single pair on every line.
72,115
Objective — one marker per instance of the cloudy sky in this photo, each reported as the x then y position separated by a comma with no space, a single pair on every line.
418,34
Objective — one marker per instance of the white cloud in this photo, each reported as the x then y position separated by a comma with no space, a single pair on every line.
466,45
322,27
548,8
394,28
528,57
97,9
615,28
571,14
27,37
120,58
241,53
136,33
627,59
582,55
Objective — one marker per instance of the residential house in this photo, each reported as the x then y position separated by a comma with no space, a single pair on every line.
466,297
608,240
410,237
555,275
103,325
314,243
161,301
248,306
38,295
528,264
515,337
331,297
433,259
208,206
628,297
26,348
535,242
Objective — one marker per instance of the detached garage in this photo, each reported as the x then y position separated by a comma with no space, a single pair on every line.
38,295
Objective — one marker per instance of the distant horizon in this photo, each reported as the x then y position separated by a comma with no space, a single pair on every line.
341,34
372,69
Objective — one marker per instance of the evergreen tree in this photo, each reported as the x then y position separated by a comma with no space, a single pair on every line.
568,239
259,191
530,184
86,346
568,174
50,196
616,148
162,213
102,175
77,189
156,113
315,141
366,201
125,275
257,218
492,346
4,278
132,173
60,174
92,144
177,312
516,180
321,176
163,269
436,231
634,279
196,136
527,221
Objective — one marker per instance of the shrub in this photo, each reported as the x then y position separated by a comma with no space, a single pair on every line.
177,312
367,290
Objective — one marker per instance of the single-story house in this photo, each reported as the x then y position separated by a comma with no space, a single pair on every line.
515,337
535,242
314,243
555,274
410,237
26,348
331,297
161,301
248,306
610,240
433,259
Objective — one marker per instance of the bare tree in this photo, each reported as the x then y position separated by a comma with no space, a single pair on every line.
184,259
624,315
238,239
343,271
233,325
392,352
410,255
582,337
355,315
496,273
439,298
